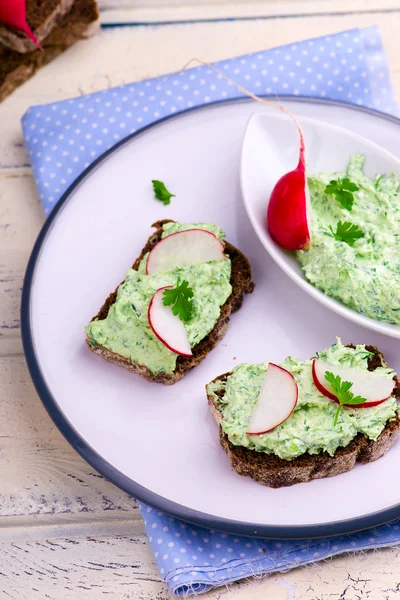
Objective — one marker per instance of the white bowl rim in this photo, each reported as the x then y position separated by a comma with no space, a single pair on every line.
276,253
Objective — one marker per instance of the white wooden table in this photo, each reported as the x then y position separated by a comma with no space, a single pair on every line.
65,533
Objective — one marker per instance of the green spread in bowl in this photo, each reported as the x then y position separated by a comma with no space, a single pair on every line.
366,275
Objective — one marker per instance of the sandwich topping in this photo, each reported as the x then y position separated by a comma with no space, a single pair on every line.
126,329
355,227
315,425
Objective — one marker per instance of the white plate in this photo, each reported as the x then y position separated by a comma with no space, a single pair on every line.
157,442
271,149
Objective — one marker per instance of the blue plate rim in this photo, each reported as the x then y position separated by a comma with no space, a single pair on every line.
104,467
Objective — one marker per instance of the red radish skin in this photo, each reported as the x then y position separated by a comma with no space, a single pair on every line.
295,392
158,336
287,209
331,396
217,246
287,218
320,387
13,13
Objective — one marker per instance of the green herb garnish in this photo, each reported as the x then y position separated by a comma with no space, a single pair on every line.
347,232
341,390
343,190
180,300
161,192
377,181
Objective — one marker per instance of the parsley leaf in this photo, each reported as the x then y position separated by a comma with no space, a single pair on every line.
343,190
341,390
180,300
347,232
161,193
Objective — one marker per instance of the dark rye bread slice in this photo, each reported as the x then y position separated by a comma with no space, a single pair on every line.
275,472
42,16
15,68
241,284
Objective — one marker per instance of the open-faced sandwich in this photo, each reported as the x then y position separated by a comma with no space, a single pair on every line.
306,419
175,302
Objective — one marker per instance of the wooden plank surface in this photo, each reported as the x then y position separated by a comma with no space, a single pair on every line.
160,11
59,564
64,531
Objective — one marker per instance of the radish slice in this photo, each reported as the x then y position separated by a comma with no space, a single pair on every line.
183,249
167,327
375,389
276,402
288,208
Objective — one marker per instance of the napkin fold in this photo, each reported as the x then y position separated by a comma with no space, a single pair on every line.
193,560
64,138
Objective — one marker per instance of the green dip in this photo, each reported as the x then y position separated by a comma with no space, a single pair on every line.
126,330
366,276
310,427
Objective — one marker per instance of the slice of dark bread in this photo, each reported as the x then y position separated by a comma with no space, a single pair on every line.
275,472
15,68
241,284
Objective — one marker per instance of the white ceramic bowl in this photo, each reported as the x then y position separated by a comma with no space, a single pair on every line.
270,149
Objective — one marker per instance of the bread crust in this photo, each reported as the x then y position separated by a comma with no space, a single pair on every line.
275,472
241,284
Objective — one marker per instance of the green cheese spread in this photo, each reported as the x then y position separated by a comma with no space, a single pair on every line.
126,330
310,427
365,276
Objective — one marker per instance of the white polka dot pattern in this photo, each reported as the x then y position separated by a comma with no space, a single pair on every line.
64,138
219,558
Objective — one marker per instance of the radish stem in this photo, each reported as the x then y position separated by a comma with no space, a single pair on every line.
256,98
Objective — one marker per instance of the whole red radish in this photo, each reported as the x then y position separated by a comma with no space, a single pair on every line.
13,13
287,217
287,210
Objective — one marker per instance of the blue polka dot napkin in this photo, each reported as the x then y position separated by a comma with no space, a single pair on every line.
194,560
64,138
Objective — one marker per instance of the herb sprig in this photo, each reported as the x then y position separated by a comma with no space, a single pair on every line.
347,232
341,390
161,193
180,298
343,190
